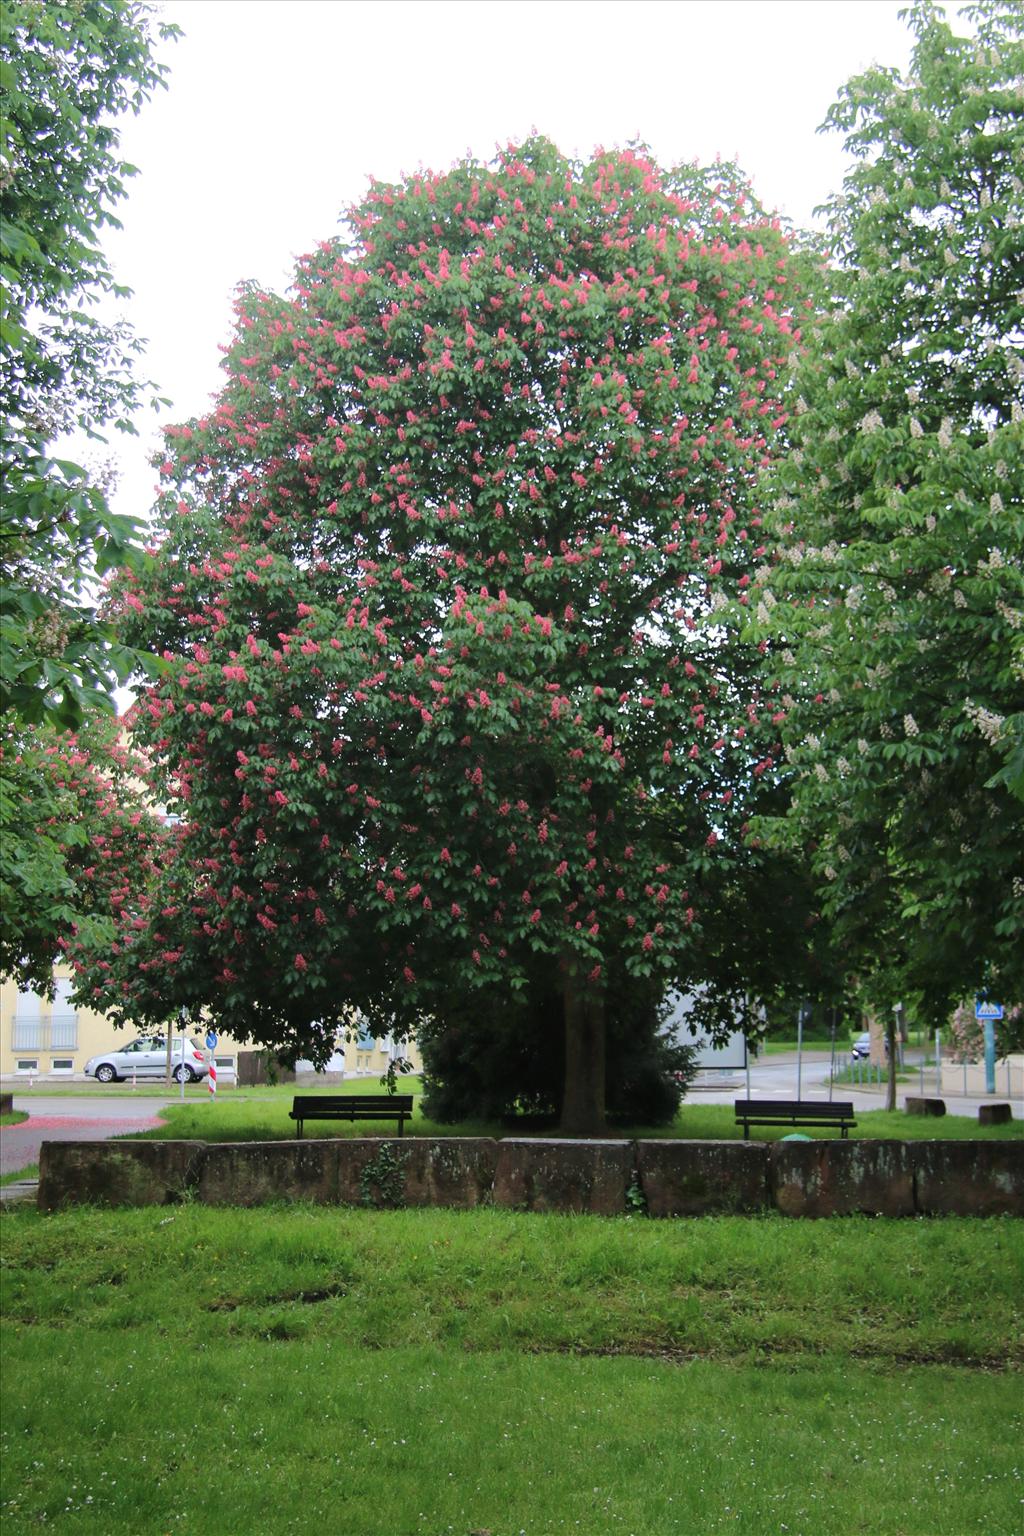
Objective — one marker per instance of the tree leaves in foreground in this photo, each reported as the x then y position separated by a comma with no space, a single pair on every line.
67,71
449,588
897,610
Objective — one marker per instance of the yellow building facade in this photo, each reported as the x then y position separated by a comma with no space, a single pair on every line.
48,1041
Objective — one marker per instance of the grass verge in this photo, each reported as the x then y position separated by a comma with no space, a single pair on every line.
265,1118
20,1174
385,1374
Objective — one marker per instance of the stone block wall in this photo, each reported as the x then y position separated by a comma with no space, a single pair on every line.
604,1178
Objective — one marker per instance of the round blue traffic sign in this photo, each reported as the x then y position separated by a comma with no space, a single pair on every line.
211,1041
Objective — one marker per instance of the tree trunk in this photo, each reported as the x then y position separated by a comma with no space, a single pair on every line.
890,1081
584,1095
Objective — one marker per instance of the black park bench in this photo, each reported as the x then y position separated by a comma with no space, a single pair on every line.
794,1112
351,1106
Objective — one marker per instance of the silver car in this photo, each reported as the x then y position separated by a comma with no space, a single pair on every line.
147,1057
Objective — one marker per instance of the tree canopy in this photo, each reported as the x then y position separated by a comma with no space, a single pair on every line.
896,610
67,71
76,837
449,588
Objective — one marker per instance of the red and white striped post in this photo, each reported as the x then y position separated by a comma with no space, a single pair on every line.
211,1076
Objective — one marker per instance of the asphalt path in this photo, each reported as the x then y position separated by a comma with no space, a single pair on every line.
70,1117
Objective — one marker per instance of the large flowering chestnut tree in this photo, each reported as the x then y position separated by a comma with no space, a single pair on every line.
449,583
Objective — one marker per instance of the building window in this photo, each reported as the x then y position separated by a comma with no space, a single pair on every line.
64,1021
62,1064
32,1032
28,1022
23,1065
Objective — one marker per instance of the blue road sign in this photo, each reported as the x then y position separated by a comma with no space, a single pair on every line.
988,1010
211,1041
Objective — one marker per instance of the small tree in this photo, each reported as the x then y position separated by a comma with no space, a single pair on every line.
449,585
897,606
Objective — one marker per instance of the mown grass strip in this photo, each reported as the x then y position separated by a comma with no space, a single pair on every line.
156,1432
727,1288
265,1118
421,1373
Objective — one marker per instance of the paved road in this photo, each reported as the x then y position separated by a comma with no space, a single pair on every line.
72,1118
775,1077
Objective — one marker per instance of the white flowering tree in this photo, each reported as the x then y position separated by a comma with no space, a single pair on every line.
896,607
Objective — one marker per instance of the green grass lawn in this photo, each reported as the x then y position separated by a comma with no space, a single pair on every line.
395,1373
262,1115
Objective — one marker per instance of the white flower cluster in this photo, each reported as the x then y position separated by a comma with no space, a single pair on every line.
821,773
945,433
988,723
916,429
959,601
995,503
872,422
910,726
1013,616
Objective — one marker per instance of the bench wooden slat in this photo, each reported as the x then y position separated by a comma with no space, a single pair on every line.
351,1106
838,1112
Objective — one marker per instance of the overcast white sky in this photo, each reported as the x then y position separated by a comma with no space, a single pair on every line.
278,111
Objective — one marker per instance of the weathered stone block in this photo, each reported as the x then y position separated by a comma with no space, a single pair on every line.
994,1114
415,1171
260,1172
969,1178
687,1178
554,1175
836,1178
117,1172
919,1106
